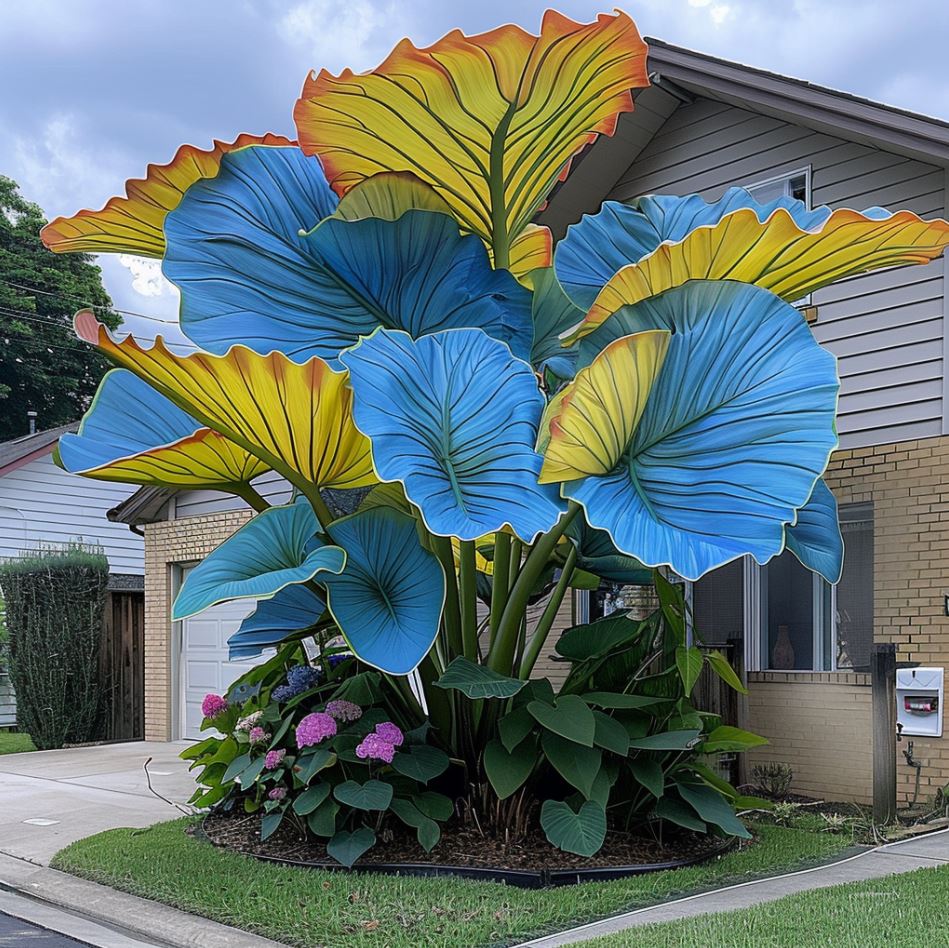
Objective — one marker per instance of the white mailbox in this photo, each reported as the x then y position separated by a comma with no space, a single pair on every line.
919,694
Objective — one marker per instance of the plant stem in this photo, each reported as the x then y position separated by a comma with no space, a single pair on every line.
468,600
517,550
250,497
501,655
312,494
451,616
549,614
500,580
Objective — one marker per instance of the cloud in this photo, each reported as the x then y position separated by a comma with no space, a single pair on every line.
147,278
346,30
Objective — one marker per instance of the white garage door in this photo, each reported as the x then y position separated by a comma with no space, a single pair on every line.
204,664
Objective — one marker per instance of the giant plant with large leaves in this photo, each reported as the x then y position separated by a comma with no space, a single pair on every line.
375,307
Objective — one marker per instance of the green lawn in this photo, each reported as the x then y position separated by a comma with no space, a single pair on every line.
910,909
313,908
14,743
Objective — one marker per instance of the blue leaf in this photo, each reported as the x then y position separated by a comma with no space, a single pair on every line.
292,609
453,417
388,600
815,538
619,234
253,266
553,314
738,427
276,549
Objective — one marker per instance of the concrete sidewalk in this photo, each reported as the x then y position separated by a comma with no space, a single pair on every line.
904,856
52,798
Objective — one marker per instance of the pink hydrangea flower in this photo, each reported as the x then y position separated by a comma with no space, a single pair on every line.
274,759
213,705
314,728
246,723
343,710
257,735
278,793
374,747
390,733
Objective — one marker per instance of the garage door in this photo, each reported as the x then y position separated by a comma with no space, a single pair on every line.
204,663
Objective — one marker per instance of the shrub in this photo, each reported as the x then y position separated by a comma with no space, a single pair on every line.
773,779
54,602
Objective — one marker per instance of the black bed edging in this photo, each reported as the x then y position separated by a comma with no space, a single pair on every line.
521,878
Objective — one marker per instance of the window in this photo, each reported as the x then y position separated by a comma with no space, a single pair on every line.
795,185
790,618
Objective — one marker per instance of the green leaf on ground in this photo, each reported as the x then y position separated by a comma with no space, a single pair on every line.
346,847
581,832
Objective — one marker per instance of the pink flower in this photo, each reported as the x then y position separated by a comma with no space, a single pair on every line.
258,735
278,793
374,747
343,710
274,759
390,733
213,705
314,728
246,723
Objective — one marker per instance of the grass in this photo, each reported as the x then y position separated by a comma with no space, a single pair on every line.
12,742
316,908
910,909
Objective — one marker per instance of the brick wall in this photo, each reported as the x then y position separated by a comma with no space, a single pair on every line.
818,723
908,484
167,544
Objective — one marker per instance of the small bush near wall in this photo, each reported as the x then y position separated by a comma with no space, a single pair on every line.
54,600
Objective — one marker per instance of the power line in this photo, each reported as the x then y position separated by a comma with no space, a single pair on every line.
76,299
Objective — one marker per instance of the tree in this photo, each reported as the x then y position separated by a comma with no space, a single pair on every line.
42,366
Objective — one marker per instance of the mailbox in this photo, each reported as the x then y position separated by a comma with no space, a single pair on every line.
919,694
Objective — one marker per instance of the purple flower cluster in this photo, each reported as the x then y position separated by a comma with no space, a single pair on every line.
343,710
278,793
213,705
274,759
257,735
381,744
314,728
300,678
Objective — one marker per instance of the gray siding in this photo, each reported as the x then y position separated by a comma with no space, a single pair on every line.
42,504
885,328
195,503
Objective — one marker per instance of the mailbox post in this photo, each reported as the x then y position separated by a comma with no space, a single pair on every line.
883,684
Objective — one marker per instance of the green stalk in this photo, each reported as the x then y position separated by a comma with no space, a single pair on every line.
549,614
500,580
438,701
501,655
451,616
250,497
517,550
468,600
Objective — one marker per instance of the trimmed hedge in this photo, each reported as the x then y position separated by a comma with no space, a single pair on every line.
54,604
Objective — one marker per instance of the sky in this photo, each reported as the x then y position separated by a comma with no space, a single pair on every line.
94,90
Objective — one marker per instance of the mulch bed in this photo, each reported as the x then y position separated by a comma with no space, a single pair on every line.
460,845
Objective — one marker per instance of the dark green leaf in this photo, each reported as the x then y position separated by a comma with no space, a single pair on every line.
674,810
538,689
648,773
193,751
361,689
610,734
689,662
422,762
580,832
614,699
434,805
269,823
251,772
238,764
311,798
569,717
712,778
723,669
713,808
322,821
514,727
371,795
667,740
311,764
602,785
578,765
347,847
427,829
508,771
583,642
478,681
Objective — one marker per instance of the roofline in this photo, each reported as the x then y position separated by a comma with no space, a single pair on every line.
47,439
841,113
141,507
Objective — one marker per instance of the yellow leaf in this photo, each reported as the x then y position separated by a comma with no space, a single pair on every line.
490,121
775,254
133,224
297,417
591,422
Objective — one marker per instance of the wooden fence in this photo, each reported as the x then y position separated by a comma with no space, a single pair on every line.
122,665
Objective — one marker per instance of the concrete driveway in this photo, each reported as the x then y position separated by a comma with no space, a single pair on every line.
49,799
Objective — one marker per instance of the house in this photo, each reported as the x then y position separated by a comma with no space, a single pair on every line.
42,505
704,125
